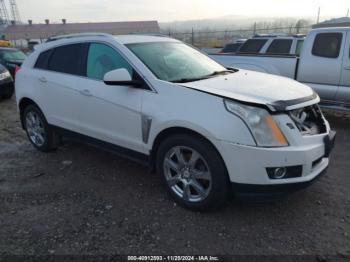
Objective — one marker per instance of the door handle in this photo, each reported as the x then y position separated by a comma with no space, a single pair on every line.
42,79
347,68
85,92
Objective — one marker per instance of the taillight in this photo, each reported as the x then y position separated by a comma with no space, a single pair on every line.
17,68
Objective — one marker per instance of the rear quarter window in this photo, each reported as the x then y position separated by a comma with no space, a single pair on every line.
231,48
327,45
299,47
252,46
66,59
43,59
280,47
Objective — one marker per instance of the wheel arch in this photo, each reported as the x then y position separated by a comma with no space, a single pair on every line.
170,131
23,103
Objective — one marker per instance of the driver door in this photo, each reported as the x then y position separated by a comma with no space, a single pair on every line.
109,113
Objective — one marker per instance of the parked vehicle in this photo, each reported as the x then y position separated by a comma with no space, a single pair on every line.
6,83
211,50
273,44
324,65
233,48
32,44
11,58
202,127
5,43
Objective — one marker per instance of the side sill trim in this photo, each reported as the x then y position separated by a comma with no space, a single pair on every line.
138,157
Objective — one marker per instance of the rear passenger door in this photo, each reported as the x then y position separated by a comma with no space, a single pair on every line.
56,74
109,113
343,94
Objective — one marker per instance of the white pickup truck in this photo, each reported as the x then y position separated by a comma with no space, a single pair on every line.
324,64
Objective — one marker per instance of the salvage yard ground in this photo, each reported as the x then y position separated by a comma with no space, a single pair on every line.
81,200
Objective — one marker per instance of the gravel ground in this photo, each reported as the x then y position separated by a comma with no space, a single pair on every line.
81,200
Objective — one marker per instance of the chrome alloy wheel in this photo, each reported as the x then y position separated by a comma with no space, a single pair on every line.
35,128
187,174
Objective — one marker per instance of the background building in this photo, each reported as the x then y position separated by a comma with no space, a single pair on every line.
44,31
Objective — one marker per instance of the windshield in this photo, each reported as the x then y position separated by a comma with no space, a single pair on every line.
175,62
10,55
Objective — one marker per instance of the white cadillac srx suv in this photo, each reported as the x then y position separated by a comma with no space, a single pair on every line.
205,129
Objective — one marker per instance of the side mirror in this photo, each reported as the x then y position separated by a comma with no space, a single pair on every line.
120,77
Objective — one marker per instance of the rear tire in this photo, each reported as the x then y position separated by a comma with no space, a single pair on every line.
39,133
8,94
193,172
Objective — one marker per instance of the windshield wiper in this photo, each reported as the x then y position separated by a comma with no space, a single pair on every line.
215,73
186,80
223,72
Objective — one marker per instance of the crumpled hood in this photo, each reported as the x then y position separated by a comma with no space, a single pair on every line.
255,87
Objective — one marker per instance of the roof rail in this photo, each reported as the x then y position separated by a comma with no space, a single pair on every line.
150,34
270,35
58,37
299,35
277,35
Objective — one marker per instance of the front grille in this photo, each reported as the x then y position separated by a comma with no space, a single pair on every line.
309,120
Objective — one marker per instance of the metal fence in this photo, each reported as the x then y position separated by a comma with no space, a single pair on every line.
206,38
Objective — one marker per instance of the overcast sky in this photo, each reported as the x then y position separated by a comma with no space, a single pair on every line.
171,10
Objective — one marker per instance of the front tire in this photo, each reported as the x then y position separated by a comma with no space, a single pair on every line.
193,172
39,132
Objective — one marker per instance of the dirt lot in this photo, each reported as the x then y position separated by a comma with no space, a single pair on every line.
80,200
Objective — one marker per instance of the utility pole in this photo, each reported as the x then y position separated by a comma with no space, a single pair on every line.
318,15
254,30
192,37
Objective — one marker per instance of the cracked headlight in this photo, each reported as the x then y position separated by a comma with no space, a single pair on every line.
261,124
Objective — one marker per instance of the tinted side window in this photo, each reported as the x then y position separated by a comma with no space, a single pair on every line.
231,48
253,46
42,60
280,46
66,59
327,45
103,59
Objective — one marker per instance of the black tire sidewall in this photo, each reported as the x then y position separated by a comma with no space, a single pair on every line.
47,146
9,93
220,182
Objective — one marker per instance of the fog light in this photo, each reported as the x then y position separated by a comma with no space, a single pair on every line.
284,172
280,173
